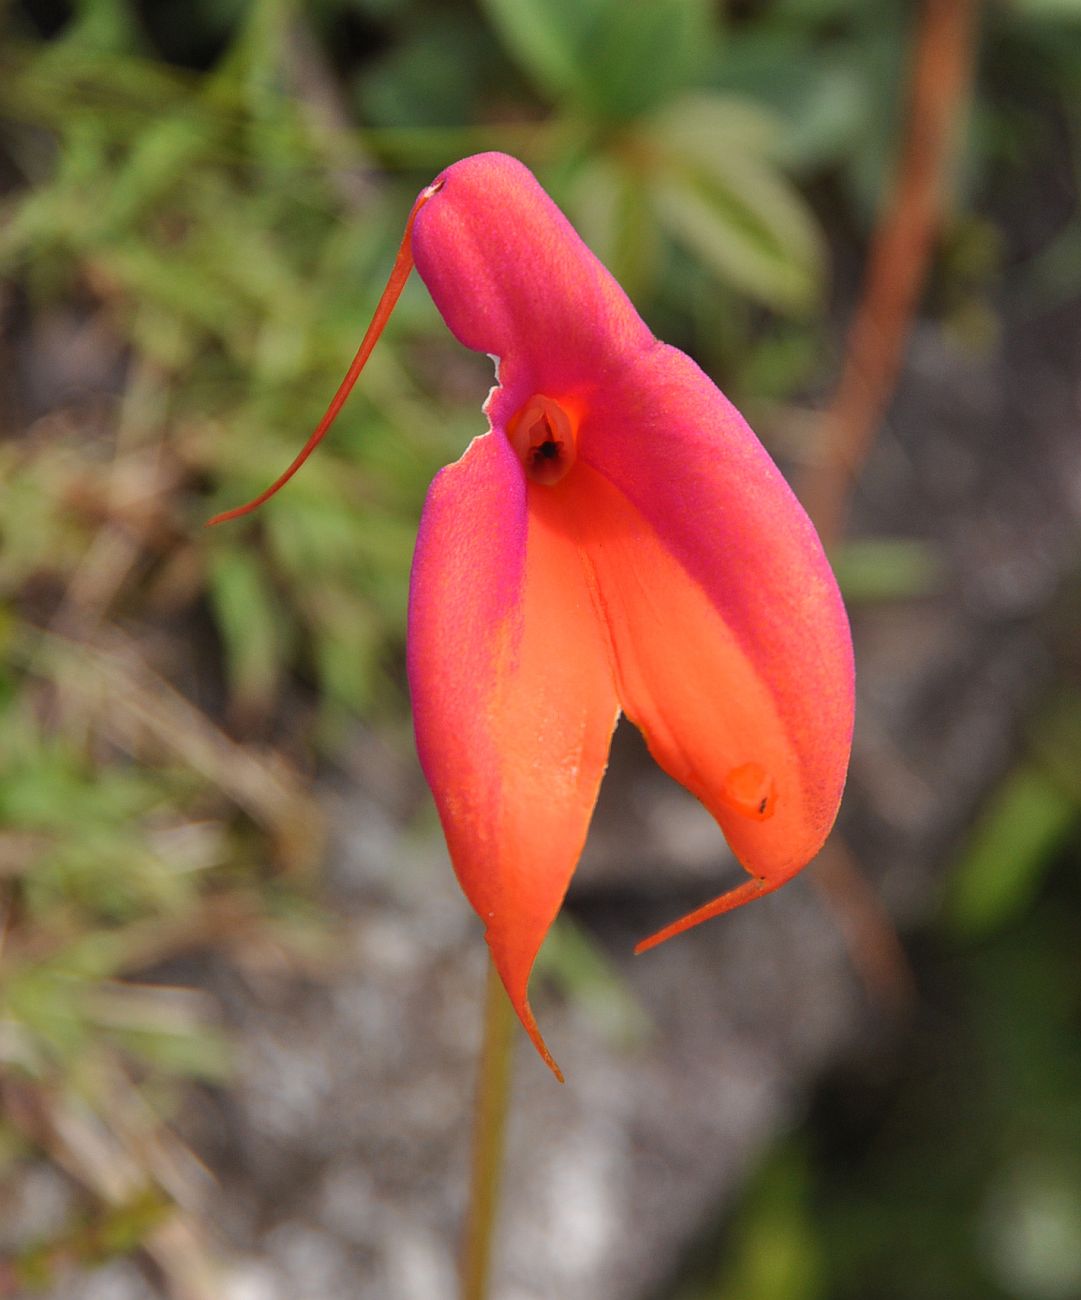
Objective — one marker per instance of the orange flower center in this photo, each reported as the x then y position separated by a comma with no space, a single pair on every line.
544,435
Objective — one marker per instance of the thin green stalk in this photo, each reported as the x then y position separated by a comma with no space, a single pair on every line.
493,1090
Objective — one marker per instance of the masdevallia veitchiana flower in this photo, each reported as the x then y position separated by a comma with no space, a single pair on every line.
618,541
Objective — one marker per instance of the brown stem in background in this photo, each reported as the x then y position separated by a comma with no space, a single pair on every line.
897,265
898,260
873,945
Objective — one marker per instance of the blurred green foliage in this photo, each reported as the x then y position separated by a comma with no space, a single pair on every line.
957,1171
89,1241
198,206
959,1176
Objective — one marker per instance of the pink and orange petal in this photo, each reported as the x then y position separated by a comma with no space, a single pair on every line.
617,540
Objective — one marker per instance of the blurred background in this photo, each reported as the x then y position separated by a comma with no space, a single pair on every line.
239,991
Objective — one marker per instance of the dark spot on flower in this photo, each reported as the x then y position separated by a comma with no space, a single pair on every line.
544,436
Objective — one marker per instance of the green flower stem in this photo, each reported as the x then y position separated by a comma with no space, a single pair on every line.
493,1091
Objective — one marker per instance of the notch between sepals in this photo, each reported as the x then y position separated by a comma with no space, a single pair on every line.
399,274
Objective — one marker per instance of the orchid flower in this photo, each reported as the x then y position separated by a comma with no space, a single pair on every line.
617,541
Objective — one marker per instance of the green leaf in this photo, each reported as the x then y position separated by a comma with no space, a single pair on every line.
1009,850
432,75
1043,10
140,270
707,129
736,242
160,160
610,203
719,194
618,58
346,647
547,38
572,958
252,624
643,52
1056,740
888,568
773,1249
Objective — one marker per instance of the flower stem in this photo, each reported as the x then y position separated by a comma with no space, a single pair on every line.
493,1090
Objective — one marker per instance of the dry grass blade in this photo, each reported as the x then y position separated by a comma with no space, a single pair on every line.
137,709
115,1161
